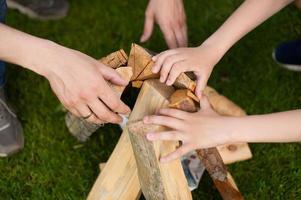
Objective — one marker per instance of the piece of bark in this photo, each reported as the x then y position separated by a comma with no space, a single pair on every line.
115,59
219,174
82,129
180,100
141,61
210,157
158,181
137,84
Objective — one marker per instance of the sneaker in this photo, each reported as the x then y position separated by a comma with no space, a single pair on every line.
40,9
11,133
288,55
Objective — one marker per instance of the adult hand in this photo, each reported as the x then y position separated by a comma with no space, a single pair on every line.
170,16
198,130
80,83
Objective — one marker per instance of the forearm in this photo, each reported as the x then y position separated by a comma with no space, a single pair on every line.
23,49
247,17
277,127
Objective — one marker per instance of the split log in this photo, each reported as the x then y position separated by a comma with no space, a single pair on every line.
180,100
210,158
158,181
82,129
184,82
141,61
115,59
119,179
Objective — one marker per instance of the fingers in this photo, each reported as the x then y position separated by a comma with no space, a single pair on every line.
111,100
87,114
184,32
167,65
176,154
103,113
170,122
160,58
169,36
148,27
175,71
180,36
176,113
204,103
200,84
166,135
111,75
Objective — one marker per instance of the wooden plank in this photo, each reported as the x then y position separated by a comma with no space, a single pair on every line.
118,180
158,181
82,129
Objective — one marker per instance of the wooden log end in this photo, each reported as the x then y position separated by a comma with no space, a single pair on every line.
137,84
180,100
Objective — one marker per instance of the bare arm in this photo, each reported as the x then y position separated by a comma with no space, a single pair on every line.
201,60
276,127
206,128
78,80
247,17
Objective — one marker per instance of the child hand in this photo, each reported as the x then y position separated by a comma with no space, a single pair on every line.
200,60
203,129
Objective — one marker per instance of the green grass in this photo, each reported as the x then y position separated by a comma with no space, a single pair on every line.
53,167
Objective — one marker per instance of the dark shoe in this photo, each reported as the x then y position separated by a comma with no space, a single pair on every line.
288,55
11,133
41,9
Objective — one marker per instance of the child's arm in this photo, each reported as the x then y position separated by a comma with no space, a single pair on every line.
276,127
202,59
206,129
77,79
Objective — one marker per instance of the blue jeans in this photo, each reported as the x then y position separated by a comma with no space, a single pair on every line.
2,19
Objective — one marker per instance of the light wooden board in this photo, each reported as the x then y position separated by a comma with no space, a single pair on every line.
158,181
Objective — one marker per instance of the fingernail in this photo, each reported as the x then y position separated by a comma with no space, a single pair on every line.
168,83
161,79
142,39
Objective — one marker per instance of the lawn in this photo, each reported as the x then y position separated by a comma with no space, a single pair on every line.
54,165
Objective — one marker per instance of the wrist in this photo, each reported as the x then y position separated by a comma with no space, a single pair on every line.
41,57
218,46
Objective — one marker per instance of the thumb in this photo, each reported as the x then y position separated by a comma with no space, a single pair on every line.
200,85
112,76
148,28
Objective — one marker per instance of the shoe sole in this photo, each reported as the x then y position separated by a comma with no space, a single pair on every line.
295,68
26,11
